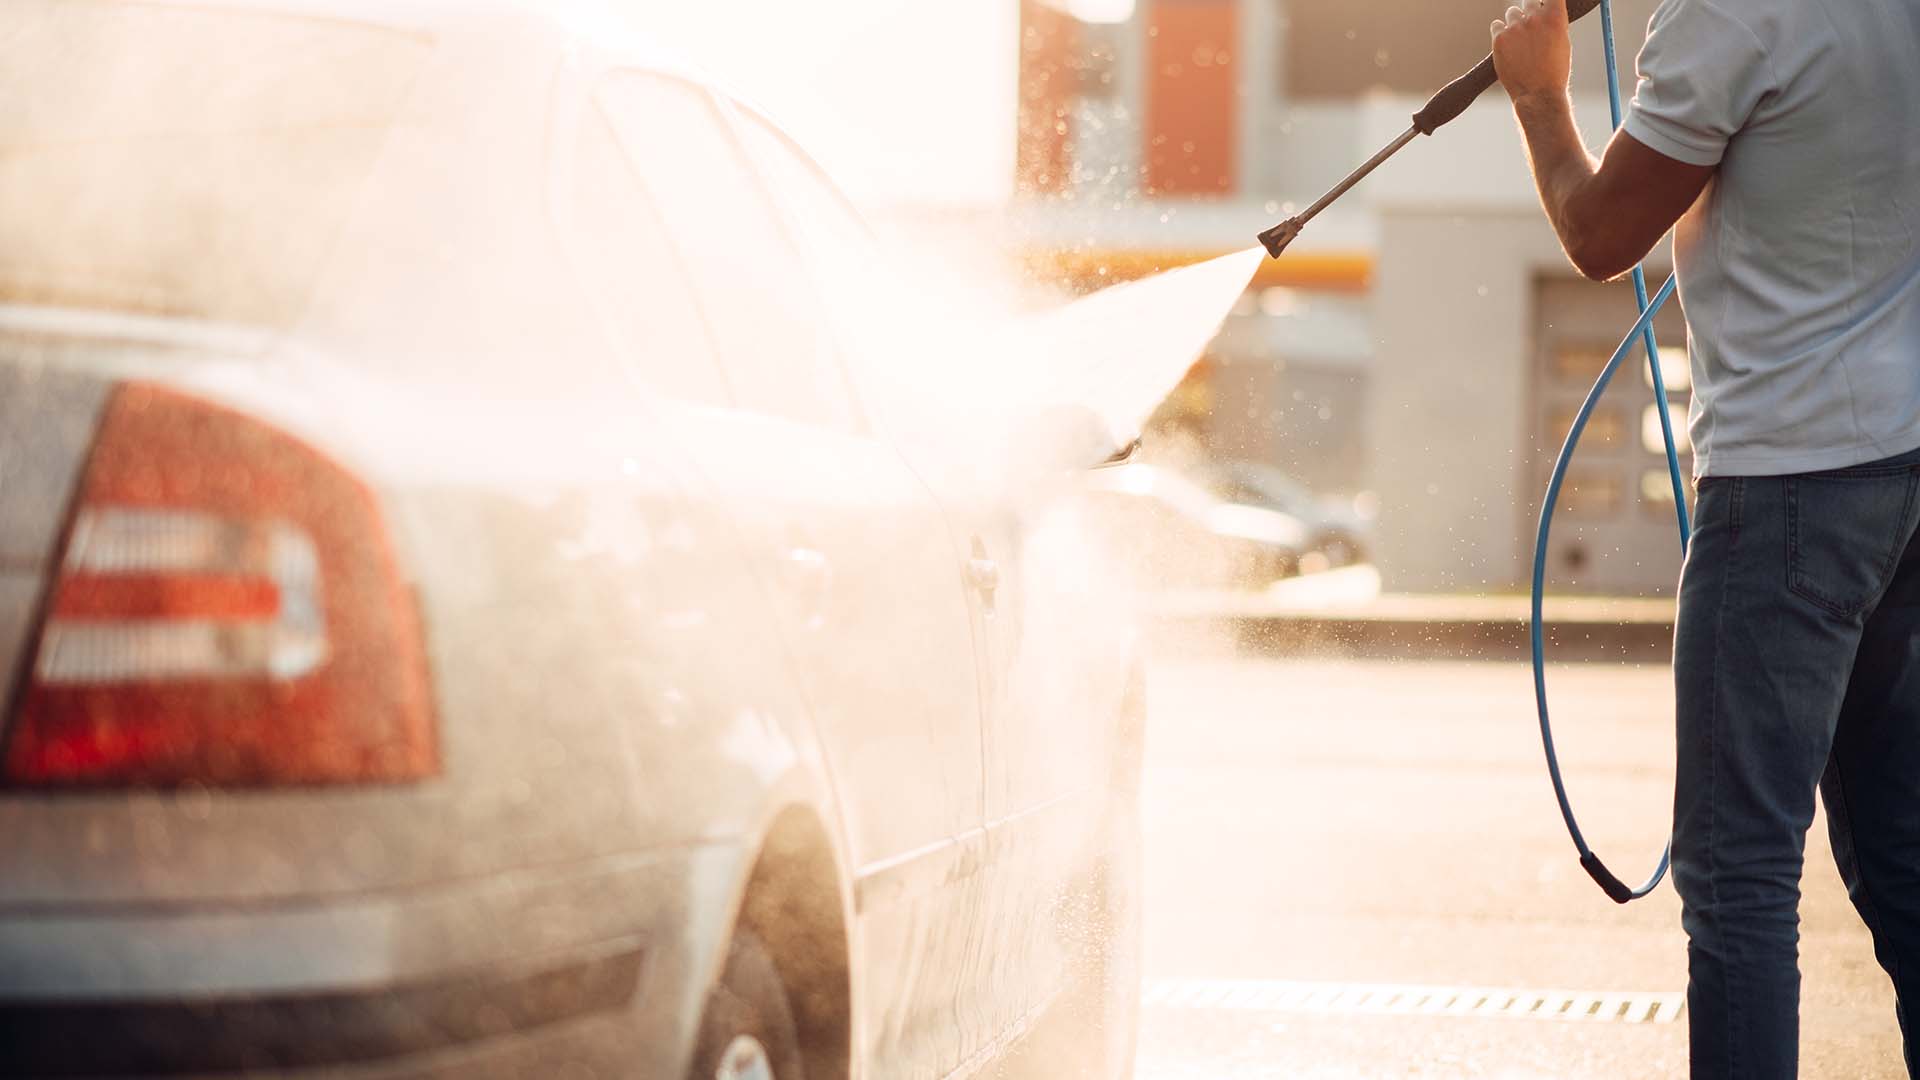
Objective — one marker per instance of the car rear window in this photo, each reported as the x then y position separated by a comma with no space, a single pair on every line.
185,160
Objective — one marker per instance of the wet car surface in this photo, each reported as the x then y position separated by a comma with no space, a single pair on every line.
464,614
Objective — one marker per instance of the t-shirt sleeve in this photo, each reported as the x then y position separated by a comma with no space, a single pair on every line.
1702,74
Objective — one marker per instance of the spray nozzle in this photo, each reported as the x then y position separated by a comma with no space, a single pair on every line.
1276,239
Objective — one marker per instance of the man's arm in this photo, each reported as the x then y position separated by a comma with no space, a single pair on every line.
1608,214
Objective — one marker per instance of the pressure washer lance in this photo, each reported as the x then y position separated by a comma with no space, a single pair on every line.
1451,101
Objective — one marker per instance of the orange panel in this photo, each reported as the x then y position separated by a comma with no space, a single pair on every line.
1192,133
1328,271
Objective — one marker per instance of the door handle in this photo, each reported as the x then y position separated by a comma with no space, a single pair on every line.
809,576
983,575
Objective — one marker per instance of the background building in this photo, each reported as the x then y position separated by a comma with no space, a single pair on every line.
1424,342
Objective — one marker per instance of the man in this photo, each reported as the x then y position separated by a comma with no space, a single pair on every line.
1780,135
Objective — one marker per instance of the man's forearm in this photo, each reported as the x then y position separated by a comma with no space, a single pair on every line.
1563,172
1608,214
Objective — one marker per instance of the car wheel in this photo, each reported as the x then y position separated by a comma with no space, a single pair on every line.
747,1031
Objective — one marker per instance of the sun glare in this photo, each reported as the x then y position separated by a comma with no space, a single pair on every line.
906,103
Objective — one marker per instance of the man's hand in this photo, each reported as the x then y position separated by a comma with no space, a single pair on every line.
1531,49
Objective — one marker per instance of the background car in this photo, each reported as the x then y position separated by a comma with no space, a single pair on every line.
465,610
1340,534
1173,533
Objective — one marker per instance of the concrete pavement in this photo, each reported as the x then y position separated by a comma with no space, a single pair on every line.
1319,827
1343,612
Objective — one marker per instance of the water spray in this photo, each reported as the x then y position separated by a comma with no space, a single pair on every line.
1450,102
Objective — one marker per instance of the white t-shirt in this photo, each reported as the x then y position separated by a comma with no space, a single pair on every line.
1800,265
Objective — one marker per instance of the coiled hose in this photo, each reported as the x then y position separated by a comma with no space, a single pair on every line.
1642,330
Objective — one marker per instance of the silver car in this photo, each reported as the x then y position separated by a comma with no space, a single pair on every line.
1171,533
460,611
1339,532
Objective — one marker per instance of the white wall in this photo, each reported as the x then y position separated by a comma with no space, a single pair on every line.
1462,240
1448,398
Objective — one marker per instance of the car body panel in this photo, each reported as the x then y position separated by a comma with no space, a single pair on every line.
858,567
47,416
371,968
589,548
1047,617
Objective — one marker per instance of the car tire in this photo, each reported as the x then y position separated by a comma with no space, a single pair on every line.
747,1029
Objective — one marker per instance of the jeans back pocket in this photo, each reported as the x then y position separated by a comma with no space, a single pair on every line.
1845,532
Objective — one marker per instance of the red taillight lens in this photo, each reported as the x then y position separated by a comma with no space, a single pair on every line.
227,611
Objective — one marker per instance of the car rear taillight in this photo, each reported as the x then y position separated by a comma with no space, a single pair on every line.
226,611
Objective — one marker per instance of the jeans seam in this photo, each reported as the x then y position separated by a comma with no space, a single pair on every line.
1791,495
1713,751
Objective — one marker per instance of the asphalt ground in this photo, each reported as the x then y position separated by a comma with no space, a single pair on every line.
1355,868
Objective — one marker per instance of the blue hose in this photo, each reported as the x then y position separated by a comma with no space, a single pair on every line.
1642,329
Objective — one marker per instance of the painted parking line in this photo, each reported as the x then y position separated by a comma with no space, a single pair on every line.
1353,999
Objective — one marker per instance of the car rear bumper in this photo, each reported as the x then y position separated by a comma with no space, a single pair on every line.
601,965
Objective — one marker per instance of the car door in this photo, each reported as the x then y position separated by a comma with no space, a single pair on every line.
731,713
867,589
1047,622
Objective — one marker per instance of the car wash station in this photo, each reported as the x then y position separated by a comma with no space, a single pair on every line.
959,540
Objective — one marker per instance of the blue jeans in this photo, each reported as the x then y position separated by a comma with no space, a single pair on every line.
1797,661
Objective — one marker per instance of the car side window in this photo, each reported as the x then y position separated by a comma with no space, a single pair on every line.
876,310
845,249
634,275
778,354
